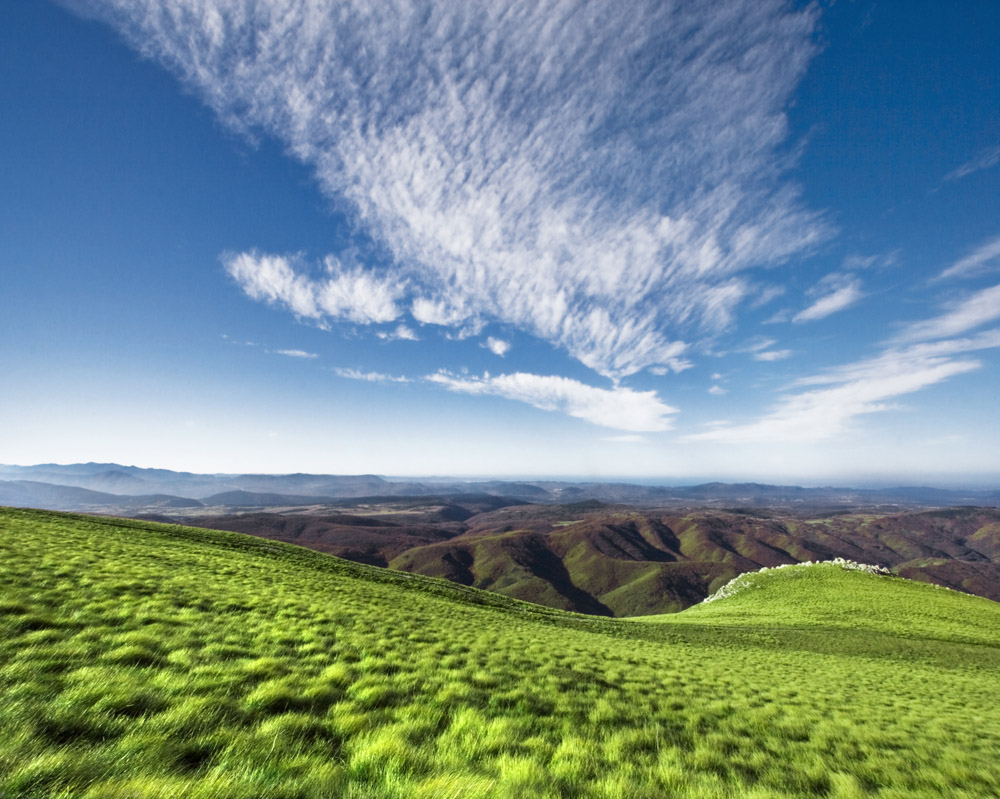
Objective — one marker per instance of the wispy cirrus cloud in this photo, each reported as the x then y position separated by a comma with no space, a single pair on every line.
856,261
823,413
986,159
832,399
836,292
772,355
289,353
601,180
760,349
977,309
618,408
984,258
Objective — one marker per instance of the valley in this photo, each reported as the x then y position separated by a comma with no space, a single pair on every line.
617,560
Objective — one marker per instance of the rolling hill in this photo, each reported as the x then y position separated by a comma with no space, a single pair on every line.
620,561
586,555
142,660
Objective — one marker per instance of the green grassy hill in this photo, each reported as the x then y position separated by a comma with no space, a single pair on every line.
142,660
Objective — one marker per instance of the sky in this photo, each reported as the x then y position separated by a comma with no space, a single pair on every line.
669,241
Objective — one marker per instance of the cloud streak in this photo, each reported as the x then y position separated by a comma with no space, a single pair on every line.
598,179
772,355
618,408
979,308
984,258
846,291
853,390
759,348
369,377
987,159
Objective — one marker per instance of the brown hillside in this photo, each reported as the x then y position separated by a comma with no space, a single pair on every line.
615,560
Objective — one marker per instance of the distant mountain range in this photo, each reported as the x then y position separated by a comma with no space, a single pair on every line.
87,486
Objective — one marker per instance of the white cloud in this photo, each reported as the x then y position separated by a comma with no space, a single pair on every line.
401,333
297,353
856,261
984,258
497,346
766,294
673,365
598,179
987,159
772,355
370,377
627,438
718,391
838,293
444,312
357,295
759,349
856,389
619,408
341,294
972,312
757,343
272,279
924,351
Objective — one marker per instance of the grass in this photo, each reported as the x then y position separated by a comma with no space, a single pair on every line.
141,660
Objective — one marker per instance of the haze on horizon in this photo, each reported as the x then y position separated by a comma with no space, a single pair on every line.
732,240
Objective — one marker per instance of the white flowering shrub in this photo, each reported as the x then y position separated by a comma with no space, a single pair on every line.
746,580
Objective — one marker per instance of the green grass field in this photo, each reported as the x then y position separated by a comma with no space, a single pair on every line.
140,660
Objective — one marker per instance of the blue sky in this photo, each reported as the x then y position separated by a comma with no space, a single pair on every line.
725,240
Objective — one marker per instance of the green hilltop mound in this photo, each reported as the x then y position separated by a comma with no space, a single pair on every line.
849,596
143,660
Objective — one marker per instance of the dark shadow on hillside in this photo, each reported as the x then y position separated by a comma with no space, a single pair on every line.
532,554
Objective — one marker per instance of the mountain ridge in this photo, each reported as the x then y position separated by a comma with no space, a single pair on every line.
137,481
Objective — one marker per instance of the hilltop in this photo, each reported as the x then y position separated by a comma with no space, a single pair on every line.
147,660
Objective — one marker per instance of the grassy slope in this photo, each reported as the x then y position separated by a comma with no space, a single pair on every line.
139,660
826,596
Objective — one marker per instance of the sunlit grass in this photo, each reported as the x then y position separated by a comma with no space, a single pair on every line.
145,661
